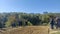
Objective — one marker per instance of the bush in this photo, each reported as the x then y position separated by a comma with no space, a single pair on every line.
29,23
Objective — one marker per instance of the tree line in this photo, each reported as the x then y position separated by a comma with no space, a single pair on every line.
24,19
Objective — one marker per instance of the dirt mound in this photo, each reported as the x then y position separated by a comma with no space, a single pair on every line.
27,30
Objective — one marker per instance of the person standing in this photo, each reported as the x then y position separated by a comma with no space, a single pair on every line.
58,23
52,23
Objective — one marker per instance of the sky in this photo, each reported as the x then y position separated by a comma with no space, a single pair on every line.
30,6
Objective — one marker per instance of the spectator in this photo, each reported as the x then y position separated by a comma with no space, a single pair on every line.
58,23
52,23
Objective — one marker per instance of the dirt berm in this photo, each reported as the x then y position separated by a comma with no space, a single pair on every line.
27,30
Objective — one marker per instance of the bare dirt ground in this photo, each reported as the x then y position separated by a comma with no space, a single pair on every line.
55,31
27,30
